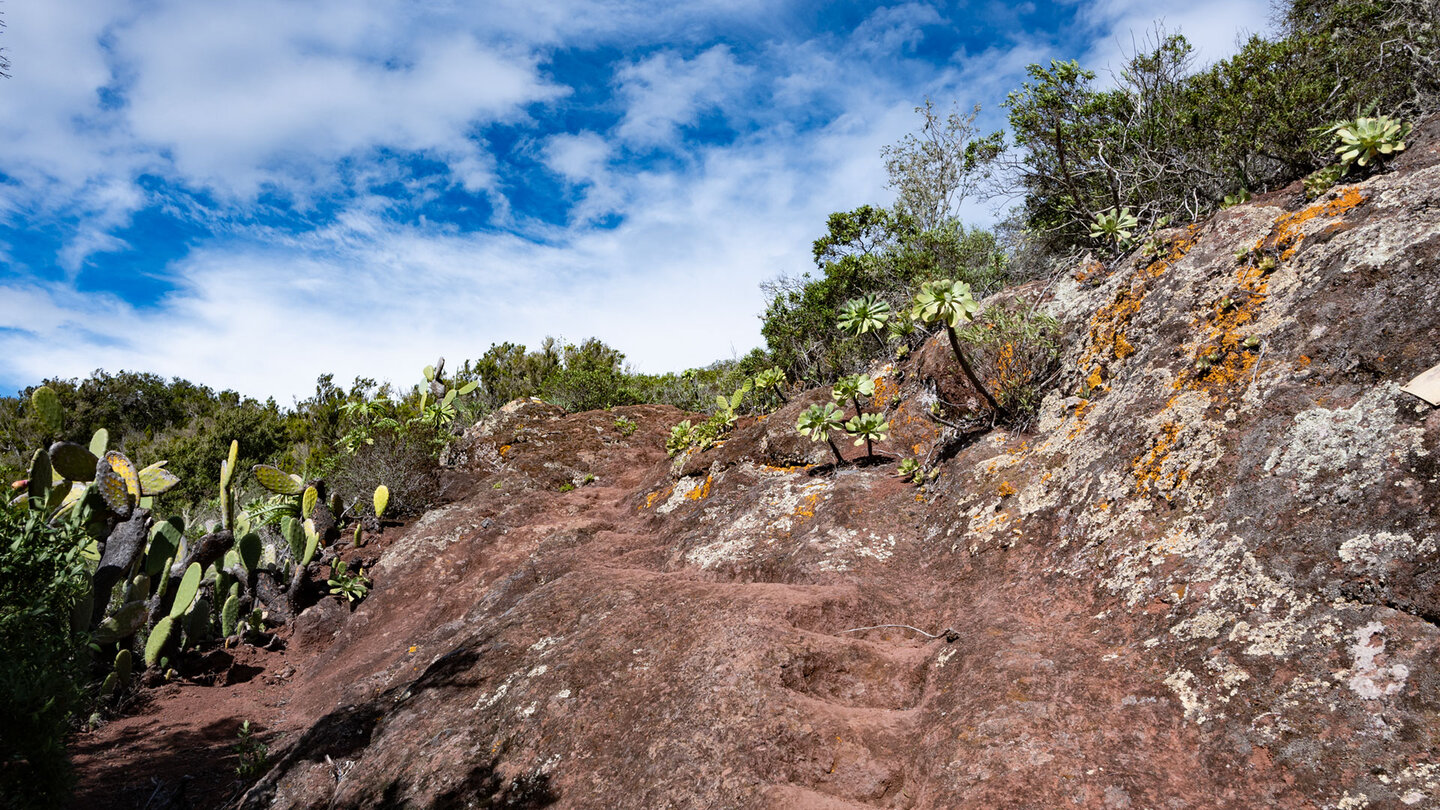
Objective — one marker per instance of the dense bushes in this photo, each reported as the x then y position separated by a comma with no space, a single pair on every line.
42,576
1170,143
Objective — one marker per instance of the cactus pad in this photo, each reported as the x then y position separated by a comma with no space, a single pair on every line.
275,480
382,499
312,542
124,663
39,484
73,461
47,407
185,594
249,549
308,500
158,638
230,614
125,468
99,442
112,489
123,624
156,480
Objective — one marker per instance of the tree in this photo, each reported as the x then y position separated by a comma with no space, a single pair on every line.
934,170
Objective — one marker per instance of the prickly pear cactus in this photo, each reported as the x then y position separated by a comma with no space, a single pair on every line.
47,408
185,594
159,637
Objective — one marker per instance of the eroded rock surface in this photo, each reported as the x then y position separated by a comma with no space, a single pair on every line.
1182,588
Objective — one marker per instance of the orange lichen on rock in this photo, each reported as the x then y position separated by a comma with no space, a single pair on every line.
1149,467
885,390
657,495
1286,236
699,493
1089,271
1006,489
1107,338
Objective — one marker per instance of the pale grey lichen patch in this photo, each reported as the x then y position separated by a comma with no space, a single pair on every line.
1182,683
422,540
784,502
843,547
1369,677
1373,553
1360,444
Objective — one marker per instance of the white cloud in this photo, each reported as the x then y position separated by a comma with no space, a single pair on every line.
1118,28
276,92
665,91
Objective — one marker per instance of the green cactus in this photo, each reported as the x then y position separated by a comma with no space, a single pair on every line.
230,612
40,483
249,549
185,593
197,622
308,499
294,535
277,481
73,461
165,538
312,542
381,500
124,663
47,409
159,637
99,442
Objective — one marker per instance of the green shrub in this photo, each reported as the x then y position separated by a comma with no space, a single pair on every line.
43,575
1021,352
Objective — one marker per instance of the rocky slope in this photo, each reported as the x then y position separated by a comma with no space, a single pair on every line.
1191,588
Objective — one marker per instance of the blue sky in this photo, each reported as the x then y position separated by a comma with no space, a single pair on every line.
250,194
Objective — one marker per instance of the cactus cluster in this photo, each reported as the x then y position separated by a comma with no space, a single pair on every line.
153,590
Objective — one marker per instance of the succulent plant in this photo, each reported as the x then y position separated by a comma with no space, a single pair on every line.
1239,197
680,438
951,304
1322,180
868,428
909,469
866,314
771,379
1366,141
1116,225
351,585
818,422
852,388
